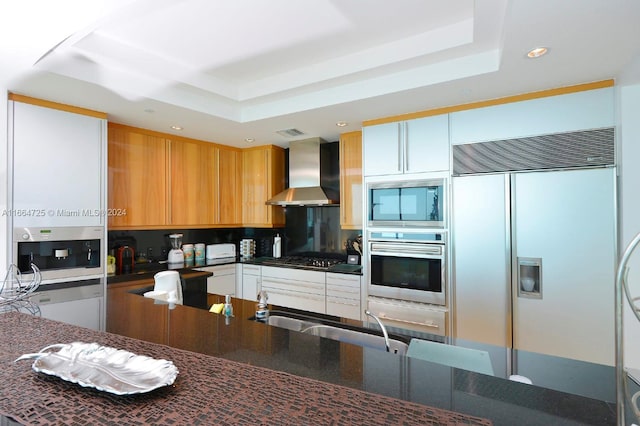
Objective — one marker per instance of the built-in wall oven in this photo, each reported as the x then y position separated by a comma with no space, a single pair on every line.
408,266
406,279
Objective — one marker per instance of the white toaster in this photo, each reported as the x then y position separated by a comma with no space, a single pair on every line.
219,251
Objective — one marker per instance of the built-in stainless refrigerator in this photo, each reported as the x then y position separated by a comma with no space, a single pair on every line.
534,257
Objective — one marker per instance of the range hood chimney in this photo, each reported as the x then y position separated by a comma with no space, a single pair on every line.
304,178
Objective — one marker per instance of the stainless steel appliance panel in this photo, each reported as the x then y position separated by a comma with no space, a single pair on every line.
481,259
563,221
404,269
567,218
61,254
409,315
412,203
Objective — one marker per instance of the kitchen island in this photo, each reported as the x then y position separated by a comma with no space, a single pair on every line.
234,370
208,390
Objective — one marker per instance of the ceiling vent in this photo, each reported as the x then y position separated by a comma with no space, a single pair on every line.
290,133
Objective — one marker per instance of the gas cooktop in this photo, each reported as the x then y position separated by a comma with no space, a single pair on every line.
306,262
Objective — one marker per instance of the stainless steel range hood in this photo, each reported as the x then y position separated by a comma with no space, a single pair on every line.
304,178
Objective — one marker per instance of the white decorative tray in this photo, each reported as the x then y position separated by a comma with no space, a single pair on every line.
107,369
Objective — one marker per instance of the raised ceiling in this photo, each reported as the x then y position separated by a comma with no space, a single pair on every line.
236,69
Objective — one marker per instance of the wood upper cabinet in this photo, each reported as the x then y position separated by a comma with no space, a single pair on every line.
206,183
351,180
193,188
160,181
262,178
137,179
229,194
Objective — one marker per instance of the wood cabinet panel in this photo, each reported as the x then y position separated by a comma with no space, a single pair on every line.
137,182
229,199
131,315
351,180
262,178
193,183
161,181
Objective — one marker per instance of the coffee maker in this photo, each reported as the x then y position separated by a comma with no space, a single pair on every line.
176,255
125,260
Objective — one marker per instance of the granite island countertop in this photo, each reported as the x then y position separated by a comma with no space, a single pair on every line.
312,380
208,390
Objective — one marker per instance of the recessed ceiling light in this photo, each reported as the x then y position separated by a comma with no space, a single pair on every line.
537,52
249,140
341,123
176,127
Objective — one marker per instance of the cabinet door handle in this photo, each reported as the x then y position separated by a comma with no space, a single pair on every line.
350,280
400,143
405,146
306,296
346,302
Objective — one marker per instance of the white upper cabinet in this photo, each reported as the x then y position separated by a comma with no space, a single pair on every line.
414,146
591,109
58,167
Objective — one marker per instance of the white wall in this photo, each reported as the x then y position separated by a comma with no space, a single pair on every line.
629,210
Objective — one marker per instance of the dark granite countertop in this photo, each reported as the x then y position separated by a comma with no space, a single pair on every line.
208,390
148,270
564,391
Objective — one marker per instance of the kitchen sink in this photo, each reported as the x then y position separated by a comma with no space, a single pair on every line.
360,336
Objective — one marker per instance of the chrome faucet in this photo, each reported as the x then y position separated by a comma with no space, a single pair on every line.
384,329
262,311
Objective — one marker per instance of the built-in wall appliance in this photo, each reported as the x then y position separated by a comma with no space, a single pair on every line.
409,203
407,265
71,261
534,243
61,254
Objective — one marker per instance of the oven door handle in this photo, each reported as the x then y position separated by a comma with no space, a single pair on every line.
411,255
426,250
421,254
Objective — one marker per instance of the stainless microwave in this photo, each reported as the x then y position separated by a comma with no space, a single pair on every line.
416,203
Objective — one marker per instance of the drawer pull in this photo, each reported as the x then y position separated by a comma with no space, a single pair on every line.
425,324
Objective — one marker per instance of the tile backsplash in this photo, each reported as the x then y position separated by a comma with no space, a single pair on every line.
308,229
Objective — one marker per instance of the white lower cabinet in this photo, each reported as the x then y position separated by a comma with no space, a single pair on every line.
251,282
313,291
82,306
223,280
295,288
343,295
